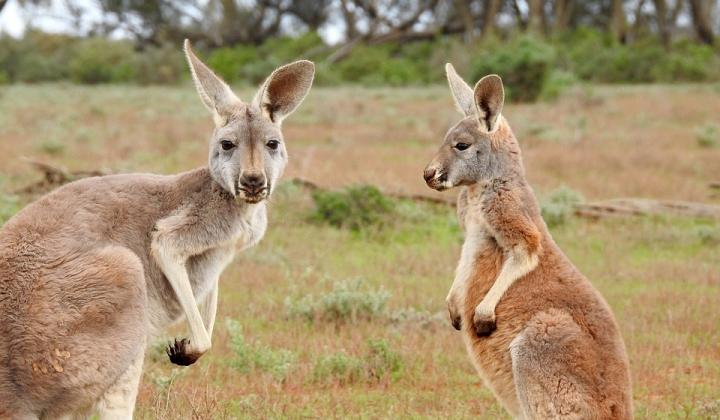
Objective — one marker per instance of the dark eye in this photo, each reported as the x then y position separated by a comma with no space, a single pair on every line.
462,146
227,144
272,144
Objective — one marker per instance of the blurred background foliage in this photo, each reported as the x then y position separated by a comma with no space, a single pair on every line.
538,46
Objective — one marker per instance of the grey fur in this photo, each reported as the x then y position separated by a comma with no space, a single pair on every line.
91,270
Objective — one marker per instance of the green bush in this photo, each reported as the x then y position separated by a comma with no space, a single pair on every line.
354,208
232,63
557,82
9,205
160,65
524,65
99,60
285,49
593,55
250,357
380,65
559,205
339,367
708,136
347,301
382,361
708,235
36,57
35,67
378,362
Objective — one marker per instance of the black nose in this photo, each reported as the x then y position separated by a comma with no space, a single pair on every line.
429,174
253,182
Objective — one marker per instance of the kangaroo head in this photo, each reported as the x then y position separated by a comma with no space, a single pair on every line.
481,146
247,151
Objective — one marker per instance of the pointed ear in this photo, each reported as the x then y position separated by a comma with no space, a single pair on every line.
461,92
285,89
489,100
215,94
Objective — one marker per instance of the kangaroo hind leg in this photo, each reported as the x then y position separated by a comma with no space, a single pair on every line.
552,363
118,402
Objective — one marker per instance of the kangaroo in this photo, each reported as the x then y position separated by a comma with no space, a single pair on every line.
539,334
91,270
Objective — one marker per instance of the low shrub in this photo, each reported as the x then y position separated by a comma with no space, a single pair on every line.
381,361
231,62
708,235
378,363
347,301
338,367
557,82
559,205
160,65
99,60
9,205
253,356
708,136
354,208
524,65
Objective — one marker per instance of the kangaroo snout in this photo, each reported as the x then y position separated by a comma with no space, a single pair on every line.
429,174
435,178
252,182
252,186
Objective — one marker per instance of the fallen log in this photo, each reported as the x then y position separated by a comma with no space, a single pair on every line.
54,176
644,207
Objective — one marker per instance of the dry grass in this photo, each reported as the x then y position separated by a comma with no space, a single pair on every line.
660,275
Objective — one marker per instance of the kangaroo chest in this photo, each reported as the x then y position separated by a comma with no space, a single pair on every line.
204,269
210,247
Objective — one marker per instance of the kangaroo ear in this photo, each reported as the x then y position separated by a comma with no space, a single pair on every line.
461,92
489,100
285,89
215,94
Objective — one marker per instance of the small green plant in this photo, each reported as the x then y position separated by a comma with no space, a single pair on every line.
708,235
163,382
559,205
708,136
347,301
378,363
339,367
381,361
253,356
9,205
52,146
354,208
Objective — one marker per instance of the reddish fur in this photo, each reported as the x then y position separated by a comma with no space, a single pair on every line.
539,302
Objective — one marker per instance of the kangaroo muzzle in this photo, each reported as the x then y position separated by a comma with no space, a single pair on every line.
253,187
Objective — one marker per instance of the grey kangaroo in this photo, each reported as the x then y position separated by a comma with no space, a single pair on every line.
92,270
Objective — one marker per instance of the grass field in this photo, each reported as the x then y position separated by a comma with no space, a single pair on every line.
320,322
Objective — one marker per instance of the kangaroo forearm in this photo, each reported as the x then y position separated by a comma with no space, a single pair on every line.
177,276
210,309
518,264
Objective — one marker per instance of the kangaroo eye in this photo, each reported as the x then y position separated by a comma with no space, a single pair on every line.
462,146
227,144
272,144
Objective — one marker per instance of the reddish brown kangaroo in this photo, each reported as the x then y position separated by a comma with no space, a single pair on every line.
91,270
539,334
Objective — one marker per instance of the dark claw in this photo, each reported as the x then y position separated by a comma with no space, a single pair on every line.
484,327
177,352
457,323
